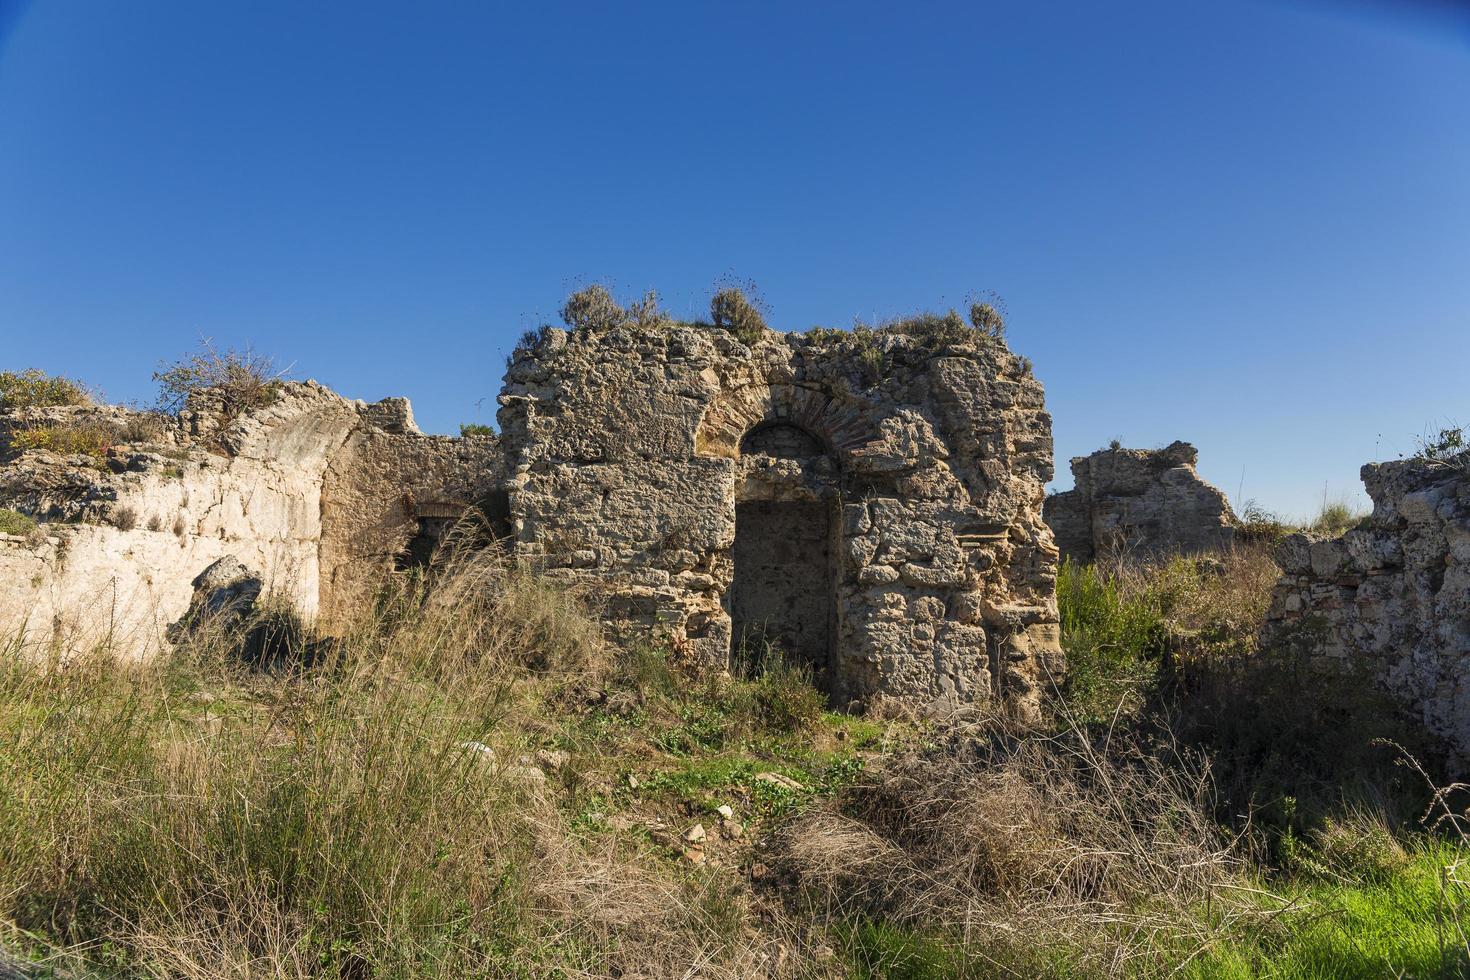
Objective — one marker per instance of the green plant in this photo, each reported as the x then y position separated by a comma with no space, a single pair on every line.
1450,445
986,318
479,429
1255,523
933,330
241,379
592,308
730,309
1336,517
14,522
1115,640
76,438
34,388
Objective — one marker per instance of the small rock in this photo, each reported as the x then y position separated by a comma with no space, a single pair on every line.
527,774
732,829
693,854
480,748
552,758
695,834
776,779
202,697
759,871
632,781
725,811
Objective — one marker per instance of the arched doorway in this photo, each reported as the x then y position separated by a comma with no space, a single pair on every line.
782,598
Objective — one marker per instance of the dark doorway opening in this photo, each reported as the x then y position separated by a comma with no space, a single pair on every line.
782,599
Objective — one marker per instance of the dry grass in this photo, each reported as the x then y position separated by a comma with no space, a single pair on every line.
369,808
194,818
1031,852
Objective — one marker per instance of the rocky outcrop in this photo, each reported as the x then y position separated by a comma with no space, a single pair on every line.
127,526
1393,593
1138,502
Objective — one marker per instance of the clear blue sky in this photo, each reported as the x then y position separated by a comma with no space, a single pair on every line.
1242,223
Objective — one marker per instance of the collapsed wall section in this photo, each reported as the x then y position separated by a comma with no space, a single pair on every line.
1141,503
1393,593
124,530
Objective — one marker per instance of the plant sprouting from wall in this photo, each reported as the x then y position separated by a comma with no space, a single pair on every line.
738,309
34,388
240,378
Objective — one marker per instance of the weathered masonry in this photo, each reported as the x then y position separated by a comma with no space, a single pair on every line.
868,504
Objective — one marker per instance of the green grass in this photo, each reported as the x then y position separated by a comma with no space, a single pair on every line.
1113,640
1407,925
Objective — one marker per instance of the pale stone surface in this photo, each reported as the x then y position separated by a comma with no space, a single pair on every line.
123,538
1393,592
1140,503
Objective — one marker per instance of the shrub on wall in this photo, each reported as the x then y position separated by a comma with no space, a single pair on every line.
730,309
242,379
34,388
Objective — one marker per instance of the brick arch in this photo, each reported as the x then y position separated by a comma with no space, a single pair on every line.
840,424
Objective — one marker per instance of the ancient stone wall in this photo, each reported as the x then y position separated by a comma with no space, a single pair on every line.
123,534
1394,592
873,502
1138,502
868,504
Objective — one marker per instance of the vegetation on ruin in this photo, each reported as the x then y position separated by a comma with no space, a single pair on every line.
239,378
34,388
83,435
475,429
739,310
474,782
14,522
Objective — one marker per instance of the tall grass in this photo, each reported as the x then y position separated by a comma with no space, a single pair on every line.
361,818
470,781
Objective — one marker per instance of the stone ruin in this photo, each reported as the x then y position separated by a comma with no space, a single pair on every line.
1393,593
313,492
1138,503
868,504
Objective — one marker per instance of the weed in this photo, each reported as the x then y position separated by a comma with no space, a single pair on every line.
475,429
78,438
731,309
34,388
240,380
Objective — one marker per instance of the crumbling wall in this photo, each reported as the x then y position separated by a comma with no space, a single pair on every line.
630,452
1394,592
1141,502
389,496
123,534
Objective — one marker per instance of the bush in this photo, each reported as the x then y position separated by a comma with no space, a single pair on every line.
14,522
985,318
82,438
475,429
1450,447
932,329
34,388
731,310
1335,518
1114,639
241,379
592,308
